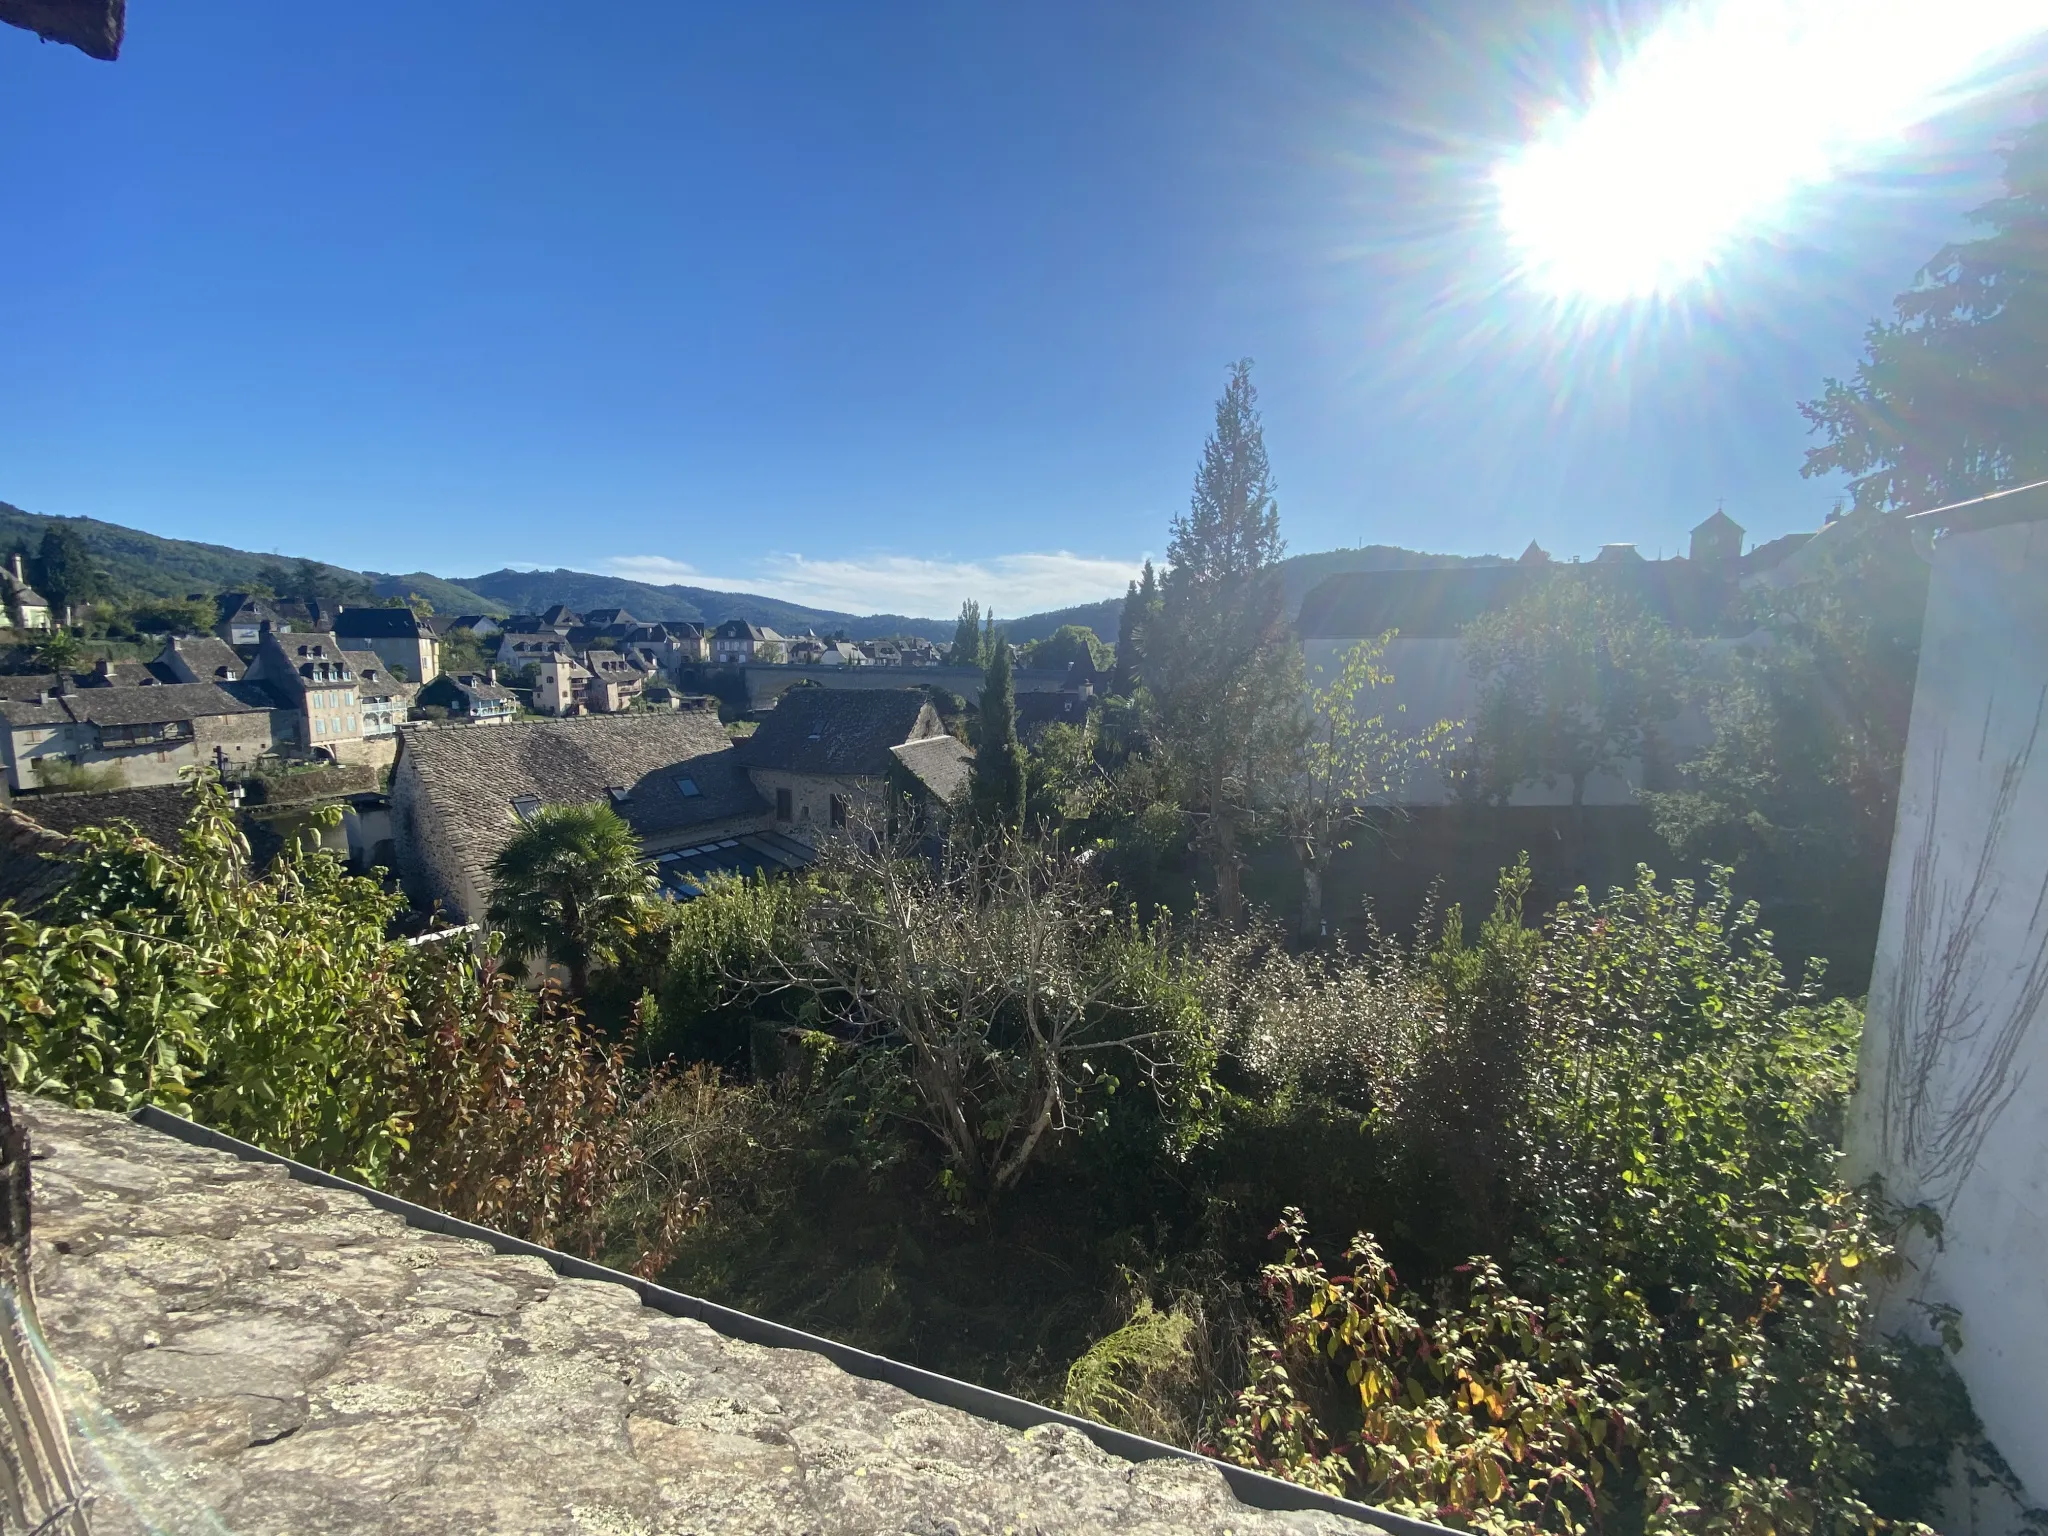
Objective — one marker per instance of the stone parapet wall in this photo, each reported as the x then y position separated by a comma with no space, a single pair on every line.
260,1355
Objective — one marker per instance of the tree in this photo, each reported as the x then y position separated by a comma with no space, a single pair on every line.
1141,608
568,887
1066,646
1223,671
66,572
1798,787
966,650
1574,675
1353,754
59,652
173,616
995,787
1951,398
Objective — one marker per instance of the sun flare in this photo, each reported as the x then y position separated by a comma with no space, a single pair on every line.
1723,114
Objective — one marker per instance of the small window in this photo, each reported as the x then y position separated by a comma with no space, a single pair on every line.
782,807
688,788
838,812
525,806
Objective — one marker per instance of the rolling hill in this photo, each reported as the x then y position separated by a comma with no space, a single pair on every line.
146,565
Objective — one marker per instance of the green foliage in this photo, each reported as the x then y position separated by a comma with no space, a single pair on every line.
172,616
66,572
1574,675
181,976
1065,647
995,786
59,651
1140,608
1948,401
570,887
1798,788
1223,670
1130,1376
966,649
1679,1257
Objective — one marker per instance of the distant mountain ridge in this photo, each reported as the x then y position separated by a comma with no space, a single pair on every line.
147,564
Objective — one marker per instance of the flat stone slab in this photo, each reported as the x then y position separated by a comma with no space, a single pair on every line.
249,1354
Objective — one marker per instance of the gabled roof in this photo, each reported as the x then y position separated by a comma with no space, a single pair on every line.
839,731
210,657
471,777
162,704
379,624
472,621
1720,522
25,686
604,618
940,764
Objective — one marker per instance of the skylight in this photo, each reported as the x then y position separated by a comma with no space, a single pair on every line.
688,788
524,806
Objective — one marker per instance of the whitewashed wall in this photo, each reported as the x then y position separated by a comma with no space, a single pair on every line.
1952,1099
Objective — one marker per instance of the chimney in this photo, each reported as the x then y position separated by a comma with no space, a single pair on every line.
15,565
263,628
493,675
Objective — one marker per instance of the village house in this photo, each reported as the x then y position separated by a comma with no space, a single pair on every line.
560,687
310,677
469,699
519,649
199,659
386,700
457,797
614,682
27,609
736,642
929,777
822,752
804,650
664,647
133,735
481,625
242,618
408,645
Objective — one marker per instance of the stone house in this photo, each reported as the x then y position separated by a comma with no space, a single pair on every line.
408,645
386,700
310,676
561,685
140,735
27,609
931,774
469,699
457,797
736,642
822,754
615,682
481,625
243,616
199,659
519,649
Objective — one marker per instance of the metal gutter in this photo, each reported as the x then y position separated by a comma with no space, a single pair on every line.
1257,1489
1992,511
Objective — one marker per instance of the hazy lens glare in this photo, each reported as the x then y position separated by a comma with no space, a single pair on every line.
1724,112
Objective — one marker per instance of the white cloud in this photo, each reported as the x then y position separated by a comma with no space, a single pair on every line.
1012,584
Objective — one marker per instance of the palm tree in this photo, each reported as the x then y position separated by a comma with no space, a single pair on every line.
59,651
568,886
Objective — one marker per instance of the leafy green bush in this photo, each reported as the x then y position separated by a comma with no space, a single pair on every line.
1681,1258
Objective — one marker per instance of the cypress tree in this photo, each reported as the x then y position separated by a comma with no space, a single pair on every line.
1141,606
996,787
966,650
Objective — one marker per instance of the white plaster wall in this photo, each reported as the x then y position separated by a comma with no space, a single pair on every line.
1952,1096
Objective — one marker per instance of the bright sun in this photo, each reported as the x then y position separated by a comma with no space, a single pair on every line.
1726,111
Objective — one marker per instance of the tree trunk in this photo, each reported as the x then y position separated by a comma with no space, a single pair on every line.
1311,899
40,1489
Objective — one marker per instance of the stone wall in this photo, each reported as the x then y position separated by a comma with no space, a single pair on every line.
247,1353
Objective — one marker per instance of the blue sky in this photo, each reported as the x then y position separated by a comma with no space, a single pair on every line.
876,306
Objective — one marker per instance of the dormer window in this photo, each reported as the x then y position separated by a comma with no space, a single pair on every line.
525,807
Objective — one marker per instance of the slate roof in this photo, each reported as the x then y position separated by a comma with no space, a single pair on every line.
1035,711
374,679
158,811
209,656
138,706
940,763
604,618
471,777
379,623
31,866
839,731
121,674
25,686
